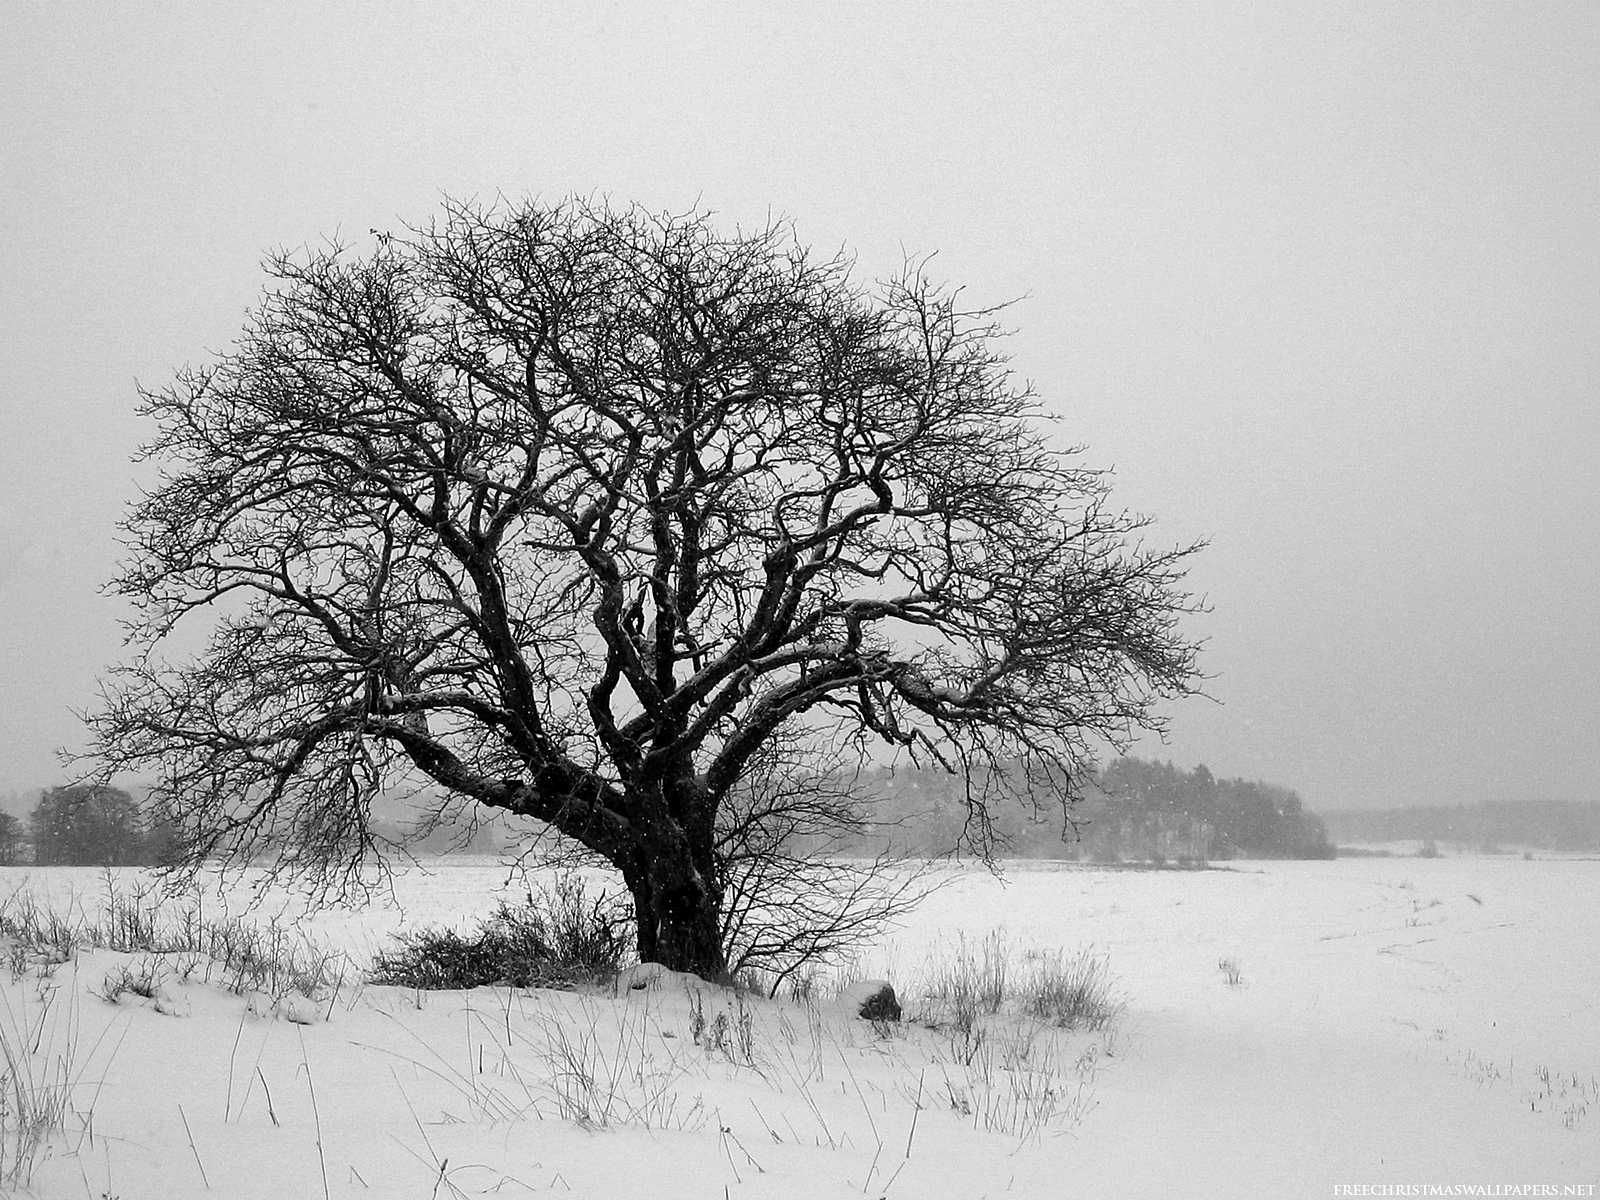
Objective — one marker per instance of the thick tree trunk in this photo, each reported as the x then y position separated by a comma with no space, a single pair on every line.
680,928
689,934
676,904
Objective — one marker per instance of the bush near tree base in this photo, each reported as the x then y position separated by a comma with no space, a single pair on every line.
554,939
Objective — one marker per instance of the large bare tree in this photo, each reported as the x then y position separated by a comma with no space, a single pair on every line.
573,510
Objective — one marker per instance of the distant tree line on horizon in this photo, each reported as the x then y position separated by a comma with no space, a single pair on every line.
1485,827
85,825
1132,811
1146,809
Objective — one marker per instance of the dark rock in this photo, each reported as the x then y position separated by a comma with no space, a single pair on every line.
873,1000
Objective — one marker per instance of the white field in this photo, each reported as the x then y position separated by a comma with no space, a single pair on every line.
1395,1022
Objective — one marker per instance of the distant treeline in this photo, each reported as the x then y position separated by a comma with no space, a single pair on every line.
1132,811
85,826
1490,826
1153,810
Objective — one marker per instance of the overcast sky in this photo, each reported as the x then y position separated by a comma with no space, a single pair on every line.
1321,282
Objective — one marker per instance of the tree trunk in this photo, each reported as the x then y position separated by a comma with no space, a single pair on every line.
680,928
688,937
676,905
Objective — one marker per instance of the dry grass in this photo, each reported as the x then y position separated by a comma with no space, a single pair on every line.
1067,991
269,958
46,1089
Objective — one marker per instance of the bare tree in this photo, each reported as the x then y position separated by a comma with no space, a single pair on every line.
571,510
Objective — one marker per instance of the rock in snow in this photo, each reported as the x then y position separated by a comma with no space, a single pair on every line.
872,1000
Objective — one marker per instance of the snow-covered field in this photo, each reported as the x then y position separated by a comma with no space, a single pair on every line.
1288,1028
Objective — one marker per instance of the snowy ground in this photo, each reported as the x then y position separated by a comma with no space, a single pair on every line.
1394,1021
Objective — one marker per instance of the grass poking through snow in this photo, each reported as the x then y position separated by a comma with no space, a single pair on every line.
1067,991
272,959
46,1089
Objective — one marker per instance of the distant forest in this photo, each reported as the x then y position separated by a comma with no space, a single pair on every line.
1488,827
1133,811
84,826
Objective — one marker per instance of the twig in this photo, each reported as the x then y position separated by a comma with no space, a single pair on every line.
729,1153
87,1190
773,1133
872,1170
916,1111
337,984
892,1178
315,1115
748,1156
416,1120
227,1106
249,1083
193,1149
270,1111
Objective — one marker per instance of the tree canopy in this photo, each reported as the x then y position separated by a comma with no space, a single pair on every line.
84,825
573,511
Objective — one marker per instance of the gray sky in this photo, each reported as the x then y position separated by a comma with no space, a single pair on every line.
1321,282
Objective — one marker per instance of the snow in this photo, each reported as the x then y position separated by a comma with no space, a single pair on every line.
1394,1022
